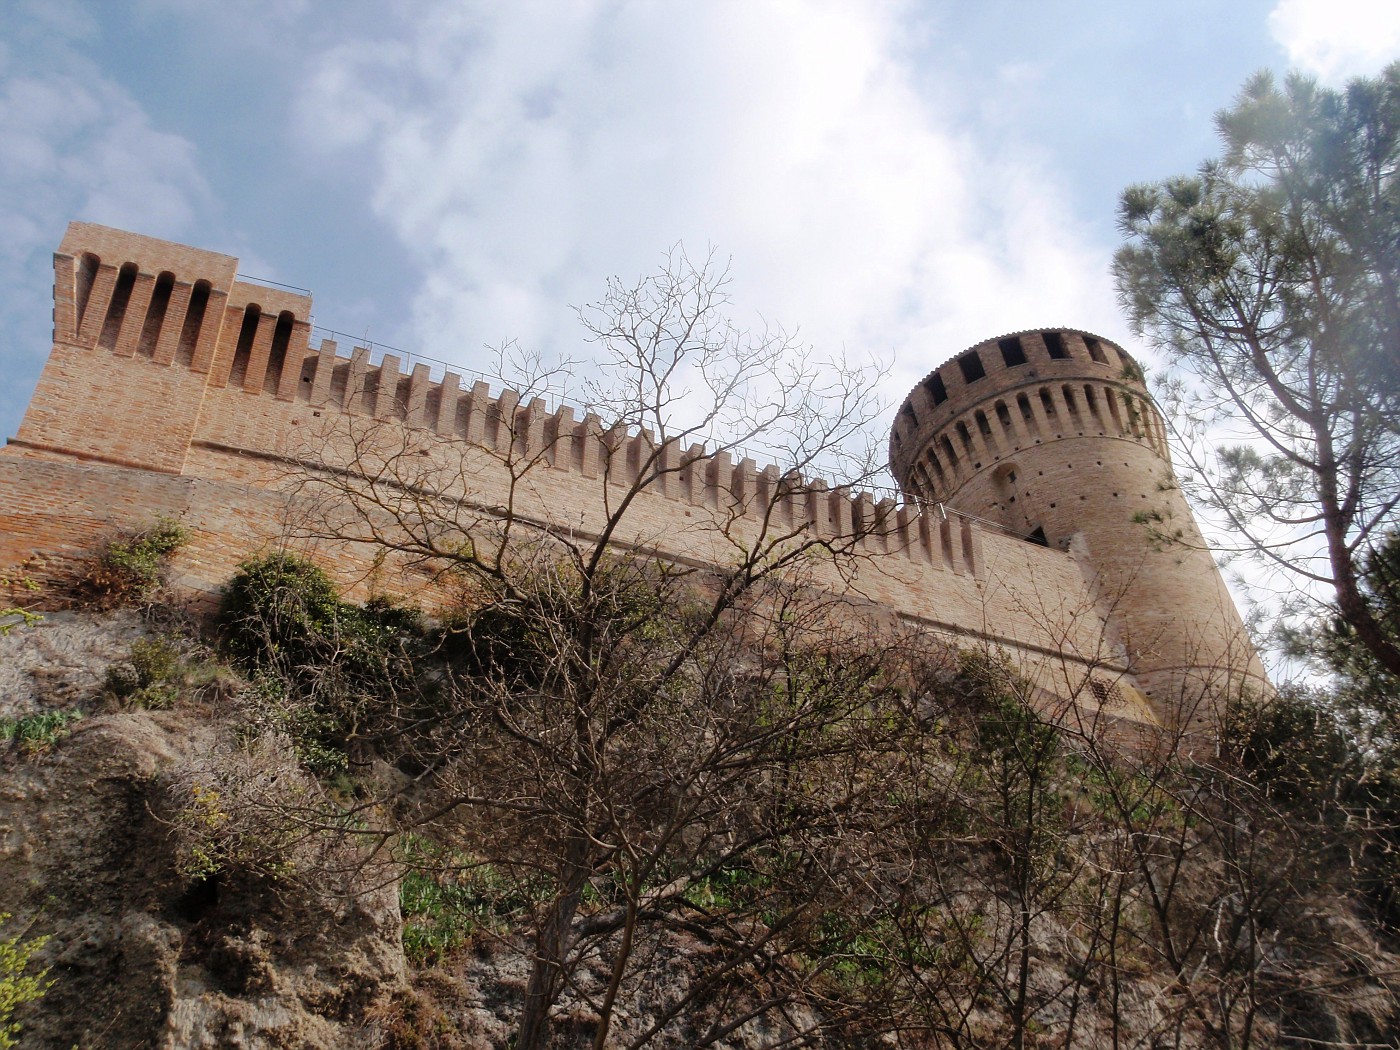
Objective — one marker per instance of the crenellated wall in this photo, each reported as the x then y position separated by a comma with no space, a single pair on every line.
175,387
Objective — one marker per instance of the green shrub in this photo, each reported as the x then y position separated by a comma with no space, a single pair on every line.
216,831
16,986
130,569
446,895
325,671
314,735
147,678
1292,746
37,732
13,616
443,908
275,609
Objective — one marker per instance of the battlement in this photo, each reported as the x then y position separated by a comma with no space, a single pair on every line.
138,297
1014,392
175,386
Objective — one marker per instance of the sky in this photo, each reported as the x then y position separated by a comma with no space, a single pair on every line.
897,179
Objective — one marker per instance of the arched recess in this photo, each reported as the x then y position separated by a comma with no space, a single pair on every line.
1023,404
116,311
155,314
1067,392
243,352
84,274
964,436
194,321
952,455
1091,399
277,356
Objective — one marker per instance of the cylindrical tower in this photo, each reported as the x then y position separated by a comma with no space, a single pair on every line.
1053,436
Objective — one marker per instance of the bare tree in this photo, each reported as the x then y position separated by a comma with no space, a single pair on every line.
620,726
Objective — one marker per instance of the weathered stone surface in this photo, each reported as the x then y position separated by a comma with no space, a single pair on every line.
141,954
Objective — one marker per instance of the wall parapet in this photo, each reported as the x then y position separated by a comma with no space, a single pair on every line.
187,310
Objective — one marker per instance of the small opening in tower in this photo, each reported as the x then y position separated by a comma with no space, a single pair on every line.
1092,402
965,436
1067,392
1055,343
1037,536
936,390
1095,349
1011,351
908,413
971,366
937,466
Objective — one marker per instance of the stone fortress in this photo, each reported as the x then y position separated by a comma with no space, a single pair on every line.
1036,480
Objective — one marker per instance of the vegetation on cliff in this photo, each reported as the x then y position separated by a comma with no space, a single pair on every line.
811,833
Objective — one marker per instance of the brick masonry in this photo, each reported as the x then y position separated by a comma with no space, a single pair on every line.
176,388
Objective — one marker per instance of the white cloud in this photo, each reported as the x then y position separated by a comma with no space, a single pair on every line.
1337,39
77,146
524,152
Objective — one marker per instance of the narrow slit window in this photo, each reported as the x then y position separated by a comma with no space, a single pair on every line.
937,466
1046,402
277,357
1024,404
1134,418
84,276
1070,402
1091,399
1113,410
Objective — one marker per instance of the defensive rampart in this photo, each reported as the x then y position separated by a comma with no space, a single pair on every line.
175,387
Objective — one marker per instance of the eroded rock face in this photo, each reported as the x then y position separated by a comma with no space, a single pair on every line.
60,662
142,955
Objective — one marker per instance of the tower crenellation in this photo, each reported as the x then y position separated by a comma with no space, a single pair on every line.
1052,435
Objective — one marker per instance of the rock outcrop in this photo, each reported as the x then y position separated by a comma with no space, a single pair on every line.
142,953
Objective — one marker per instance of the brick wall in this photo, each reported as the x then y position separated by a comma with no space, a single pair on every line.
176,388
